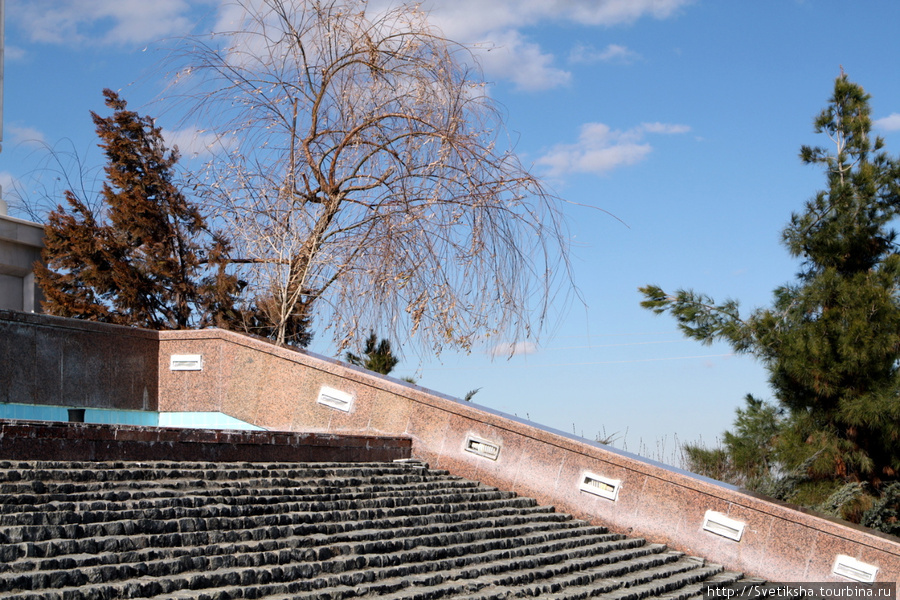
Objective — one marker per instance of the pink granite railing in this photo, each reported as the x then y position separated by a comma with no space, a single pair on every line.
282,389
278,388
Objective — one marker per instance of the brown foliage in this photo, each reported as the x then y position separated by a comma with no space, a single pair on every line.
148,259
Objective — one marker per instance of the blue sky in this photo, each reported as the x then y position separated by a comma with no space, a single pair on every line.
683,119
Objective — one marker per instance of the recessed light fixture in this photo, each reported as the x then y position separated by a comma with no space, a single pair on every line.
337,399
482,448
600,486
186,362
849,567
719,524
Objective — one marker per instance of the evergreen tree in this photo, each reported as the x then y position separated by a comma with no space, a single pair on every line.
748,455
146,258
377,356
831,339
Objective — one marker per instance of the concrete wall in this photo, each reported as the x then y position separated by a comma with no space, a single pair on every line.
280,389
20,247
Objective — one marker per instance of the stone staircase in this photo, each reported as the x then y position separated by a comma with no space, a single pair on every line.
200,530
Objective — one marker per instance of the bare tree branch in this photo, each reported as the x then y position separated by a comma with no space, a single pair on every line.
366,176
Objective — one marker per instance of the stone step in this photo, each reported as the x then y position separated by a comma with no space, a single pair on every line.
106,472
71,498
148,526
504,577
696,591
210,505
278,530
50,487
114,551
343,578
384,527
642,588
153,534
489,537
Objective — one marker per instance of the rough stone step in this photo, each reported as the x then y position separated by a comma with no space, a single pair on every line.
439,504
36,533
188,464
474,529
47,487
474,582
674,573
572,584
100,472
289,581
407,557
533,517
213,506
26,500
576,568
641,589
238,571
281,530
324,529
30,557
415,555
696,591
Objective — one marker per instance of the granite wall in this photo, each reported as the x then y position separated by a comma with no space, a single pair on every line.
50,360
285,389
53,441
282,389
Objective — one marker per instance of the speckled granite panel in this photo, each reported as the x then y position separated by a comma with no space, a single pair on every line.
360,413
539,471
390,413
672,512
766,536
429,430
504,470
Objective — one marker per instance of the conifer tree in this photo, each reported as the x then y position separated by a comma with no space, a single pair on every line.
831,339
146,258
377,356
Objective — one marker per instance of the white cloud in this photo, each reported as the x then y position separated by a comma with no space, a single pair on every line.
467,20
613,53
521,62
7,181
192,142
9,190
13,53
495,26
24,135
889,123
663,128
117,22
600,149
508,349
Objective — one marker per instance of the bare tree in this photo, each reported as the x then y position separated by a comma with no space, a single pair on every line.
367,177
